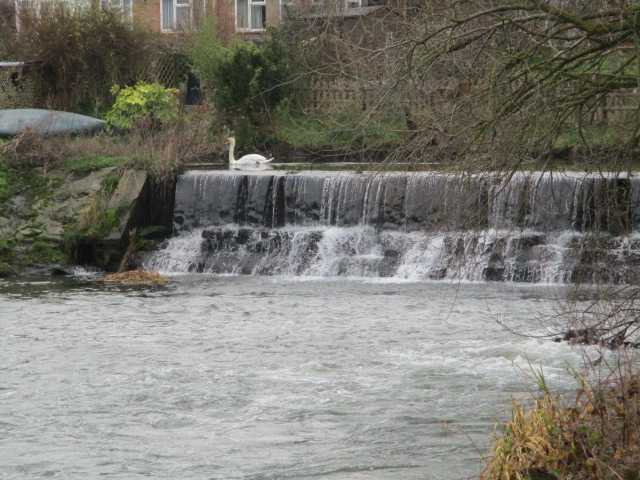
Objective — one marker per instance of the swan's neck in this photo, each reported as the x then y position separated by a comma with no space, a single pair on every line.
232,145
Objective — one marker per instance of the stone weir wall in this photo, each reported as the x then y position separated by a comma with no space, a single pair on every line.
410,202
529,227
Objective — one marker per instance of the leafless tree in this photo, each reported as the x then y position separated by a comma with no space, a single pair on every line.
490,85
490,79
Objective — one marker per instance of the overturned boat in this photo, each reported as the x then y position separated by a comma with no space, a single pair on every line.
47,122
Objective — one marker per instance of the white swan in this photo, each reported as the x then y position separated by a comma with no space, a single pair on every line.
251,159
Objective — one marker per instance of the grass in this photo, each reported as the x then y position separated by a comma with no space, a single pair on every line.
592,148
82,165
342,130
37,187
110,184
595,136
96,221
32,183
44,251
33,251
159,151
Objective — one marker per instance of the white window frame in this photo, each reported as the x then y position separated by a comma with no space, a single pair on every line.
363,3
250,27
178,6
125,6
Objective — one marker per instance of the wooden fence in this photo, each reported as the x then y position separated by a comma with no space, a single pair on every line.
340,93
170,68
618,106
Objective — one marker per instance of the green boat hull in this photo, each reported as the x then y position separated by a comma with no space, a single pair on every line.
47,122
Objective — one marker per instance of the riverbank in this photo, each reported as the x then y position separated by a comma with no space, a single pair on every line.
52,219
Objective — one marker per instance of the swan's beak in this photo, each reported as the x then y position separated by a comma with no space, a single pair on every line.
227,142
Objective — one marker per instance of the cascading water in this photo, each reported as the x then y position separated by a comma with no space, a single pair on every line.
251,378
529,228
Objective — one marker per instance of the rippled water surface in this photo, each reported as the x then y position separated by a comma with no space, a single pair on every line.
261,378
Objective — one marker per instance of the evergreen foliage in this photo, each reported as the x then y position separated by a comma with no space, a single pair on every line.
245,81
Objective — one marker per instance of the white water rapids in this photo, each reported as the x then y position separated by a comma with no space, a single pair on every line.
536,228
255,378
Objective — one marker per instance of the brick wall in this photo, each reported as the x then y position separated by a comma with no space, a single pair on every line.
148,13
273,12
224,11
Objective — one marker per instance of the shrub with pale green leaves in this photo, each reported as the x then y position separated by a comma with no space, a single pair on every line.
146,105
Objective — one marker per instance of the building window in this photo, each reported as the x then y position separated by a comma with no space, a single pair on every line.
365,3
179,15
251,15
48,7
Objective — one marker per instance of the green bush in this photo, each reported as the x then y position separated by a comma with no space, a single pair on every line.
7,28
245,81
85,51
149,105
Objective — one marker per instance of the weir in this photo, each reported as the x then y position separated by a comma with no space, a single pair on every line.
550,228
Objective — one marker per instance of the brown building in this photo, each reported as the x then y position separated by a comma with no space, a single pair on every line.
239,16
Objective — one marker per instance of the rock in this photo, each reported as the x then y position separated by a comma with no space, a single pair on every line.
77,187
54,229
494,274
57,269
154,232
129,189
134,203
72,196
39,271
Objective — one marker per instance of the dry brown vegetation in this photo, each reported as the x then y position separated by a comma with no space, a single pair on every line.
135,277
595,437
85,50
159,151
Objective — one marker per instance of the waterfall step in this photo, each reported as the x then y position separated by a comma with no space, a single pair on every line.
531,228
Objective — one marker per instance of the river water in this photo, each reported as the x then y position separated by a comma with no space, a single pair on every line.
252,378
